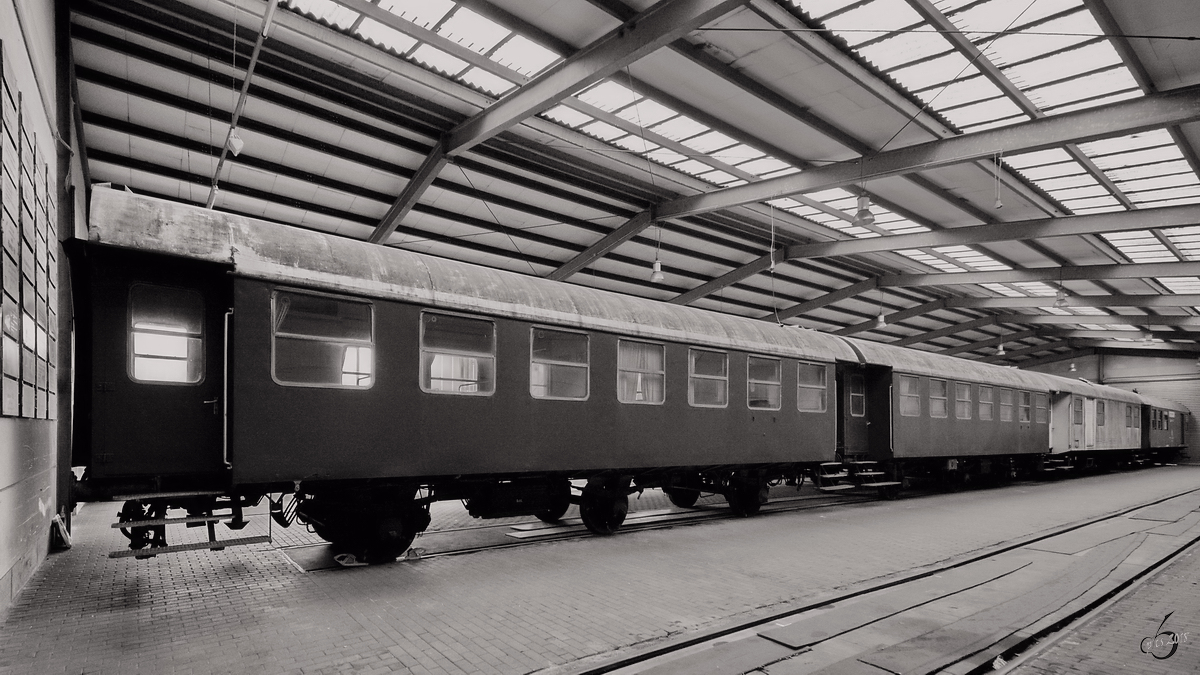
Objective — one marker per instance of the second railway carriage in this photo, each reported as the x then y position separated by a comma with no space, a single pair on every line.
223,359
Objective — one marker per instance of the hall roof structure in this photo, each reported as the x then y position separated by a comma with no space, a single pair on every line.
960,176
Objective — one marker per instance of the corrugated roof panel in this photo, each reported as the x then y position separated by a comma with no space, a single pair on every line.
646,112
1139,141
1158,182
934,71
820,8
1094,102
904,48
492,84
1160,154
1090,202
433,57
742,154
693,167
1003,290
326,10
960,92
1038,158
603,130
385,36
1094,190
870,20
982,112
718,177
665,156
1053,170
1104,83
1052,36
608,96
710,142
1063,65
761,167
1181,284
1148,170
524,56
568,116
1079,180
679,128
424,13
635,143
1184,192
475,32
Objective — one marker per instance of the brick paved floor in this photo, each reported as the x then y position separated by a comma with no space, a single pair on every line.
549,607
1110,643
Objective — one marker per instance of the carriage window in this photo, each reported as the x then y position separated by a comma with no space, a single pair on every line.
1025,406
985,403
708,379
1077,410
1128,416
937,398
641,372
458,355
962,401
858,396
1006,405
763,383
1099,413
1166,421
320,341
1137,417
558,364
1041,408
910,396
165,335
810,387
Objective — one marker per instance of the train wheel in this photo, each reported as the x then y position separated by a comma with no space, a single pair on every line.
747,497
558,504
684,498
603,509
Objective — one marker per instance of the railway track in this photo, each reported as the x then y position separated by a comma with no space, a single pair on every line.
658,660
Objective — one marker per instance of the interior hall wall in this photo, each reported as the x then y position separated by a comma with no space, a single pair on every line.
31,164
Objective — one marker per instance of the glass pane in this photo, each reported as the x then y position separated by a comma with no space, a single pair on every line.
708,363
357,367
154,344
909,386
811,374
457,333
763,370
160,308
937,407
160,370
317,316
810,400
640,356
548,380
764,396
456,374
299,361
937,388
633,387
559,347
709,392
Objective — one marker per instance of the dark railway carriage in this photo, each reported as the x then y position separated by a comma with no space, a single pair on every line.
232,358
224,359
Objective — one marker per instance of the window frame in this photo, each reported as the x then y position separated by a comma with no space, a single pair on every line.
345,343
989,405
1025,407
1041,408
859,380
824,388
586,365
910,397
28,325
692,377
944,398
1077,416
663,348
421,351
778,384
959,408
1100,413
1007,405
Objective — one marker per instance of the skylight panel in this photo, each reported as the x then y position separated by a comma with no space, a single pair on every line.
1003,290
665,156
1161,154
1090,202
326,10
603,130
1037,289
904,48
1158,183
680,128
435,58
492,84
1088,311
830,195
739,154
1180,285
475,32
1139,141
821,8
1057,311
1094,190
1053,35
1185,192
608,96
786,203
995,123
424,13
719,177
1094,102
934,71
1140,246
1063,65
646,112
1106,208
967,90
524,56
707,143
1079,180
764,166
1038,158
997,15
782,172
873,19
636,144
384,36
982,112
568,116
1098,84
1053,170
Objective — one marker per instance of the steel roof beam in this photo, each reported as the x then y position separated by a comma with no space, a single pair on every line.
994,342
1041,228
948,330
829,298
1118,119
613,239
894,317
645,33
1107,319
1082,273
1190,300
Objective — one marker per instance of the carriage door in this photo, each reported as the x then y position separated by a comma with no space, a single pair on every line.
852,394
1076,422
159,372
1089,426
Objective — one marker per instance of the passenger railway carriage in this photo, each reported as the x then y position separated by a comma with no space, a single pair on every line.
230,359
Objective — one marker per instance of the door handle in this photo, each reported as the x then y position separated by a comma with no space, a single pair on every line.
213,403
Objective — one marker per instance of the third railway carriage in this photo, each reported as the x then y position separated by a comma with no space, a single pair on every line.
227,359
